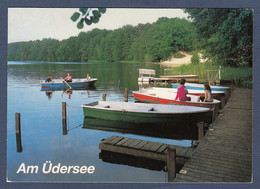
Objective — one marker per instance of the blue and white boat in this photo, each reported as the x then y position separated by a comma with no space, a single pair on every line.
194,86
57,84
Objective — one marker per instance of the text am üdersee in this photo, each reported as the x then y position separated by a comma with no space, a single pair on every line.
48,168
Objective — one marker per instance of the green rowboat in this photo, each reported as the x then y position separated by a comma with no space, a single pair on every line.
146,113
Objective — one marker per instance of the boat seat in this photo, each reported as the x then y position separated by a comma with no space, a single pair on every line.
152,109
107,106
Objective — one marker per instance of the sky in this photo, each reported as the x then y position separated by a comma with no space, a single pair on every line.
26,24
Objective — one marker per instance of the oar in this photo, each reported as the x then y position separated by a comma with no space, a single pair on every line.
65,92
66,82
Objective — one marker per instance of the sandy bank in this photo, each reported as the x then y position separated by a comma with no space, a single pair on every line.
175,62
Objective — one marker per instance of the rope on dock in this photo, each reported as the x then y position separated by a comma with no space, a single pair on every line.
75,127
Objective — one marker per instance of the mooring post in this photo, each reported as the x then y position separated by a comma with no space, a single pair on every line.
64,118
202,129
18,132
200,126
126,95
223,101
104,97
171,163
215,112
227,93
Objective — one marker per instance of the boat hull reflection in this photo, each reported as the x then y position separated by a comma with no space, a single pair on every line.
169,131
74,88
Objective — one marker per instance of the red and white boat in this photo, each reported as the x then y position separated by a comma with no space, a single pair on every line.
167,96
215,94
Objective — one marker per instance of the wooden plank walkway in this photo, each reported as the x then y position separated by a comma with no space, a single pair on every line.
225,152
144,149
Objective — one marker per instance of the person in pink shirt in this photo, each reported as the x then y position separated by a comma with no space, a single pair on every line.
182,92
68,78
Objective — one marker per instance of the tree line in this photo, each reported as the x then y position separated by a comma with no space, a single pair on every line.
145,42
224,35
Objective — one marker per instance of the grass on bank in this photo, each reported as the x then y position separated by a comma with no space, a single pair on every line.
243,72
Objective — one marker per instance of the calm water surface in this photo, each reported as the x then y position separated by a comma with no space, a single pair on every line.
41,124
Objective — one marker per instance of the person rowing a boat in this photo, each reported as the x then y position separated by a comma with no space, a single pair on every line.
207,96
68,78
182,92
48,79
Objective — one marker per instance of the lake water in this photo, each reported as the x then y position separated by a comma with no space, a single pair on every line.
42,133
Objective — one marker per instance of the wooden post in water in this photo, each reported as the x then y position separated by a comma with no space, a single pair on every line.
215,112
171,163
227,93
223,102
64,118
104,97
18,132
202,129
126,95
200,126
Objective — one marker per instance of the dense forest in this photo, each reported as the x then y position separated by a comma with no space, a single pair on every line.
224,35
149,42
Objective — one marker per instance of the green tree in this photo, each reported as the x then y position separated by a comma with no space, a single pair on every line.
167,36
145,42
226,35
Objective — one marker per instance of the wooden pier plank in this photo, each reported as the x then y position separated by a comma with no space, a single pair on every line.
122,141
135,143
132,152
225,153
109,139
218,166
128,142
162,148
141,144
141,148
114,140
156,146
147,146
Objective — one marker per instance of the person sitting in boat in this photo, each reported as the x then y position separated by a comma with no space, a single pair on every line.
68,78
88,77
182,92
207,96
48,79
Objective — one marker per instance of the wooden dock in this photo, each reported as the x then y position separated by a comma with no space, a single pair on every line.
225,152
144,149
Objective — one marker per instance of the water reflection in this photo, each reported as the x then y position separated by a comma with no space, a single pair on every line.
44,137
150,164
117,158
169,131
49,94
68,92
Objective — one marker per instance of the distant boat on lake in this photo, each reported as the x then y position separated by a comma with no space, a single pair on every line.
57,84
